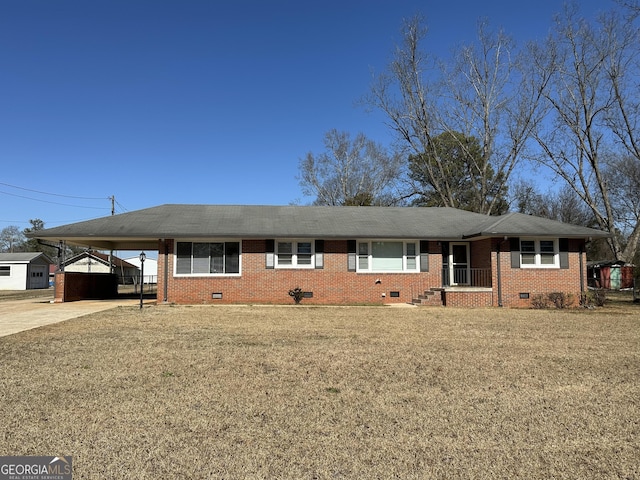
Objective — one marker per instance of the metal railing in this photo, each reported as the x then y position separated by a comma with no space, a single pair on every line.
472,277
130,284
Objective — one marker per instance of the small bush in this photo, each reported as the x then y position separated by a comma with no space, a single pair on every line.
297,294
539,301
552,300
561,299
594,298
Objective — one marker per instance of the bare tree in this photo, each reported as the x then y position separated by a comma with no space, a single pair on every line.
486,94
11,239
406,94
623,178
351,172
562,205
593,110
495,97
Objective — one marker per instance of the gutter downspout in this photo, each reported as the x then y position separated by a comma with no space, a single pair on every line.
581,253
498,276
166,270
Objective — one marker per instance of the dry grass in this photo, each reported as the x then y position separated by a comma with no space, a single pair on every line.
303,392
6,295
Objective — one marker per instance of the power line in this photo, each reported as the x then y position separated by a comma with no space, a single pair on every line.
55,203
52,194
121,206
49,222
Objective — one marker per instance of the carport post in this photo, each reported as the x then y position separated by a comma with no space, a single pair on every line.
143,257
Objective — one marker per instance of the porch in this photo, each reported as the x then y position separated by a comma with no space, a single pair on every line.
466,277
461,287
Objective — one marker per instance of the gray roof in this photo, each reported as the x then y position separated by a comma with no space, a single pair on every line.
143,228
22,257
518,224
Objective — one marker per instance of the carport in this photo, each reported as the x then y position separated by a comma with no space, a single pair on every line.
73,286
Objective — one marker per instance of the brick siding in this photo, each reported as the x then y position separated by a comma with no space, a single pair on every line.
536,281
333,284
462,298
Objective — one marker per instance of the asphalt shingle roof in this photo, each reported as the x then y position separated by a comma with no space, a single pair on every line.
519,224
22,257
259,221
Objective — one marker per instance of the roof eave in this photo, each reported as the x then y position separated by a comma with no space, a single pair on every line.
586,236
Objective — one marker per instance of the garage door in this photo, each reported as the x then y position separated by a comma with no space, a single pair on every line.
39,277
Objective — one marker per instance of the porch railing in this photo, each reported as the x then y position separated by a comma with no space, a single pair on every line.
472,277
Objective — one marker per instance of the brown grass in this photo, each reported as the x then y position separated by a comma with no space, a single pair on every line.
329,392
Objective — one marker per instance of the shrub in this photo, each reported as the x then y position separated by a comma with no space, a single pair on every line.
561,299
553,299
297,294
539,301
594,298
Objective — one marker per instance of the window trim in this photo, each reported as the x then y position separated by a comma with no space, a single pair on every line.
295,251
361,257
537,252
206,240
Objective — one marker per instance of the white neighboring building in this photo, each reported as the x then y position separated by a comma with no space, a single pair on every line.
24,271
97,262
150,268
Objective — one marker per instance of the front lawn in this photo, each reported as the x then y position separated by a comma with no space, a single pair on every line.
329,392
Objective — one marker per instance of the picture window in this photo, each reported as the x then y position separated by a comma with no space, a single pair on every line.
207,258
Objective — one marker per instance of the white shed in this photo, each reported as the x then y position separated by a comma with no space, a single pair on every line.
24,271
150,268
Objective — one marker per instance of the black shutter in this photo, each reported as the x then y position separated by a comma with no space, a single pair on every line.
351,255
270,257
515,252
424,256
563,244
319,253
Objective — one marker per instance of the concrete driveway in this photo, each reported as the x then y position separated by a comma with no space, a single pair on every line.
25,314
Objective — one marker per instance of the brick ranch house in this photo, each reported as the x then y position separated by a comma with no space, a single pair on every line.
344,255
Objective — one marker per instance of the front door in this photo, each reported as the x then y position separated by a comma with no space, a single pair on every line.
459,263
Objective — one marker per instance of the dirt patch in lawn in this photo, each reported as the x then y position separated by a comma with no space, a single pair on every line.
328,392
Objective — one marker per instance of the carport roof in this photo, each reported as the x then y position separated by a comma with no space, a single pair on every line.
141,229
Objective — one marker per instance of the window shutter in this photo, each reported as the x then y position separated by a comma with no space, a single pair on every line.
351,255
424,256
563,244
319,253
515,252
270,256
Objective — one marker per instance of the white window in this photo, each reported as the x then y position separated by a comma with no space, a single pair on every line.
363,256
387,256
539,253
294,254
207,258
5,270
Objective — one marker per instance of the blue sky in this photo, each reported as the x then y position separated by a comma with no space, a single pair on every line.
193,101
